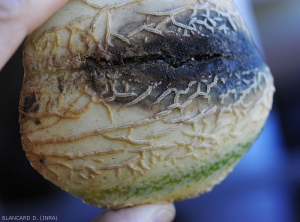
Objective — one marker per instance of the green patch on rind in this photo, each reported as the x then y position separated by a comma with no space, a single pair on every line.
169,184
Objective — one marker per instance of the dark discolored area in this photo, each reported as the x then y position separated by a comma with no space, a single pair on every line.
30,104
171,61
43,160
60,85
37,121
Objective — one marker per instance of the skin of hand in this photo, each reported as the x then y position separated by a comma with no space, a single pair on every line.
143,213
18,18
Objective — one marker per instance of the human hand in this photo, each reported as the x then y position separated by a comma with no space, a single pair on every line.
143,213
17,19
20,17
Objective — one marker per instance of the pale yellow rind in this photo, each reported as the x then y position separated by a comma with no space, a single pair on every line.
85,143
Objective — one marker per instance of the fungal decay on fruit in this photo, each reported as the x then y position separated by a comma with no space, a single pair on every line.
202,17
152,95
145,147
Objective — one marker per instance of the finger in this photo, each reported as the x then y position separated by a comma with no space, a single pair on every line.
142,213
20,17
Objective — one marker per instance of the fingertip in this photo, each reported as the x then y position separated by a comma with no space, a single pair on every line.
20,17
28,14
164,212
44,9
9,9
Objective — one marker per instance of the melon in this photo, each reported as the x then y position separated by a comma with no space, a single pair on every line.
139,101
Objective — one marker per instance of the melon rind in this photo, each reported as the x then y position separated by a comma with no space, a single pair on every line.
130,102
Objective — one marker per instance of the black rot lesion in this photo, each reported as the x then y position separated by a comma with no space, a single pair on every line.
43,160
60,85
98,74
173,62
37,122
30,104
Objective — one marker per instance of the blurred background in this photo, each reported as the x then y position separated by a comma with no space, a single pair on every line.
265,186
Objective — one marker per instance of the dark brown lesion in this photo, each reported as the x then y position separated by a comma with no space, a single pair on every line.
60,85
30,104
37,122
43,160
172,62
98,74
166,62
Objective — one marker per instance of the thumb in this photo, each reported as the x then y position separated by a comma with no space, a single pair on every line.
20,17
143,213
